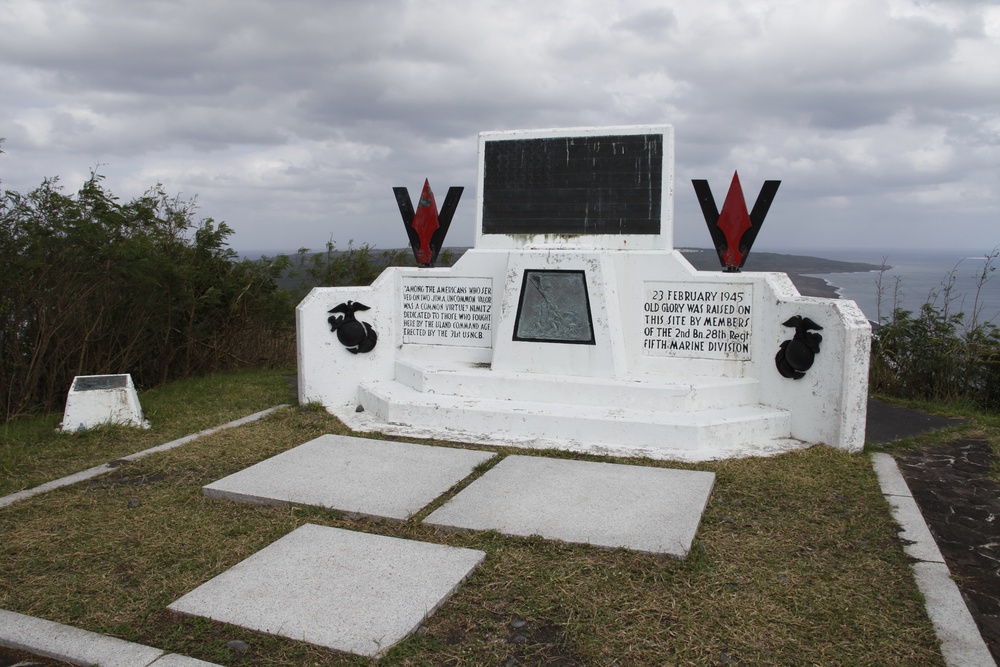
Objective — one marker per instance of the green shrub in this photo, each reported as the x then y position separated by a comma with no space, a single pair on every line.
937,354
91,285
354,266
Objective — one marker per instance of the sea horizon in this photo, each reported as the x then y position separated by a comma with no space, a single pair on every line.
921,274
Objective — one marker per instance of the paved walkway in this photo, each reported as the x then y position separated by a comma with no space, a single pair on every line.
960,502
962,642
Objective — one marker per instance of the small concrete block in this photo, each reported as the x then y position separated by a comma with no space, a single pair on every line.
69,644
358,475
344,590
656,510
94,400
961,643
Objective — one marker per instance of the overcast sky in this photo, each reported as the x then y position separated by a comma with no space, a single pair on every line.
291,120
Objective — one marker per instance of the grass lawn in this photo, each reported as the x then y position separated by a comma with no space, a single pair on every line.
31,453
797,561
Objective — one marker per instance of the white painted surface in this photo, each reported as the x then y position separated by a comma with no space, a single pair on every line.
661,434
344,590
371,477
605,358
452,311
827,406
654,510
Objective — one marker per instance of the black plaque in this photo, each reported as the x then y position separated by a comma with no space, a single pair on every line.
554,308
92,382
573,185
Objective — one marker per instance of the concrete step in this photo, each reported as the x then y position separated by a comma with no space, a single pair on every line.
480,381
688,434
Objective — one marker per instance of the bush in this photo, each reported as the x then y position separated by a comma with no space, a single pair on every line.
336,268
94,286
355,266
939,355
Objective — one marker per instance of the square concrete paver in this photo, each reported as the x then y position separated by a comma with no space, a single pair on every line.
656,510
341,589
358,475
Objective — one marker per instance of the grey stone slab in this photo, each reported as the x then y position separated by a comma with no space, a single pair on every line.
889,477
655,510
961,643
348,591
69,644
357,475
918,543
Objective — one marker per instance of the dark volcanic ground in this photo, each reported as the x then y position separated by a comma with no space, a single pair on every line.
960,503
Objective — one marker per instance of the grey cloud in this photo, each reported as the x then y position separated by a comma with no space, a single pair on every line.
295,119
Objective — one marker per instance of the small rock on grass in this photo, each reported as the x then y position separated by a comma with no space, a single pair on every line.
238,646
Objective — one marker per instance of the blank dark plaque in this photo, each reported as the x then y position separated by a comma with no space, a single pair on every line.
94,382
554,308
573,185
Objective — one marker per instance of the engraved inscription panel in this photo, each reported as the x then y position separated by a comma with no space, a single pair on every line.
573,185
697,320
448,311
554,308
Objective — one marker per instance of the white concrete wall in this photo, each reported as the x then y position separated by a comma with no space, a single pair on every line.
330,374
828,405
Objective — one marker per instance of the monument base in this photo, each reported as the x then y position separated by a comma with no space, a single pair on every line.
696,421
667,362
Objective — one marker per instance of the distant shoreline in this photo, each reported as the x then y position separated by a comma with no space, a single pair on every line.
813,286
801,269
796,266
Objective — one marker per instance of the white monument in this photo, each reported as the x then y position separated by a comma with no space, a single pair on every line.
99,400
574,324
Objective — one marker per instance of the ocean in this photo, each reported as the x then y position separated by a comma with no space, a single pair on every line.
921,274
921,277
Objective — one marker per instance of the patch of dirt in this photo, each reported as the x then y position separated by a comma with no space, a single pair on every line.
541,644
12,658
126,476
